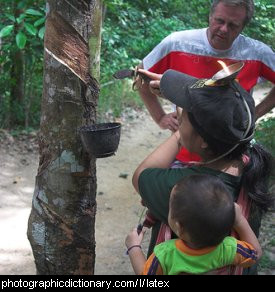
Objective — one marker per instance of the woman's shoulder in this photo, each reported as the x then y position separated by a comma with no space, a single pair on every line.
177,173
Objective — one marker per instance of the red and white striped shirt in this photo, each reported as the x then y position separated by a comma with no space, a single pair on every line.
190,52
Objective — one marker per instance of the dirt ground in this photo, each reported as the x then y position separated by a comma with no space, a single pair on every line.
118,205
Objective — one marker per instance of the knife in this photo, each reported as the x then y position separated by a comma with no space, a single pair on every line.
129,73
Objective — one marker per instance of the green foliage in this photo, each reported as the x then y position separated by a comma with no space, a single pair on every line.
127,38
131,30
265,134
115,97
21,33
262,26
24,19
5,31
21,40
266,262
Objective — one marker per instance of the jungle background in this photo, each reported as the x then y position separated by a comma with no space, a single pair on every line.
130,30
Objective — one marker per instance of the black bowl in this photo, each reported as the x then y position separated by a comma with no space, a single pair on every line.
100,140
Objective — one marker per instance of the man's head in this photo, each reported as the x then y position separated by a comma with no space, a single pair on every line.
226,21
201,210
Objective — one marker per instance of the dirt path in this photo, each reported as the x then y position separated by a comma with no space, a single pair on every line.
118,208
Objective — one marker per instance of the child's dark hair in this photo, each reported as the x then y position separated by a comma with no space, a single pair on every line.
204,208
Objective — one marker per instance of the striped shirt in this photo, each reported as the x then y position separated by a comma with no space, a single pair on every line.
174,257
190,52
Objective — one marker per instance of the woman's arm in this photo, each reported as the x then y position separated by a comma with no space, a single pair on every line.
162,157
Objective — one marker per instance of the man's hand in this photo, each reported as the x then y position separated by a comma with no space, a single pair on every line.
149,92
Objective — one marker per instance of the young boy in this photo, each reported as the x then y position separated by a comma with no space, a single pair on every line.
202,214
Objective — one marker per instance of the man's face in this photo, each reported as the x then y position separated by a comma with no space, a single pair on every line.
225,24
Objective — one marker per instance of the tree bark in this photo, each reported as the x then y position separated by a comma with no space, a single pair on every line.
62,220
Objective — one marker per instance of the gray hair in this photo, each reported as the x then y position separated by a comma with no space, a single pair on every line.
247,4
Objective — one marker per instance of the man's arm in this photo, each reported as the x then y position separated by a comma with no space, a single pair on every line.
266,105
151,101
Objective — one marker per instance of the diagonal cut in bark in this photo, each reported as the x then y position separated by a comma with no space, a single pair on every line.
67,46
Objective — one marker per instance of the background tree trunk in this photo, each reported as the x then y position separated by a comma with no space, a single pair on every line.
61,223
16,73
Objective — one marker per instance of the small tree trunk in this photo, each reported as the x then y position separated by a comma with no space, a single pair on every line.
62,220
17,77
17,71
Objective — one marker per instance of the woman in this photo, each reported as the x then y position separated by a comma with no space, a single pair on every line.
217,122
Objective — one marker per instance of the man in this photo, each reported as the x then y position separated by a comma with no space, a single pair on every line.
196,52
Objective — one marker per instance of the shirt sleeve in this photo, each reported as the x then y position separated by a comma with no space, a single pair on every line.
156,60
268,64
155,185
152,266
246,255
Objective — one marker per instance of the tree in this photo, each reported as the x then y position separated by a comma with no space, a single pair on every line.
61,223
21,31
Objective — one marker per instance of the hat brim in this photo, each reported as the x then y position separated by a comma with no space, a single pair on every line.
174,87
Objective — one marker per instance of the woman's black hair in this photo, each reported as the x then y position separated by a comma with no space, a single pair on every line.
256,175
256,172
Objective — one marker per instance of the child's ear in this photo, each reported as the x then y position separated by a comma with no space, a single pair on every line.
178,228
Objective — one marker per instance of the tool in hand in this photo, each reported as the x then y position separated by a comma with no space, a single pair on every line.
139,78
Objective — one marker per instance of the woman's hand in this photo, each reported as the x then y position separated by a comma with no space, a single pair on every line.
154,84
151,75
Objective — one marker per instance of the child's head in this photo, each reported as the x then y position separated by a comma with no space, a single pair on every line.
201,210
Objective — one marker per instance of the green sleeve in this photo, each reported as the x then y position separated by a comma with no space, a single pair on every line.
155,186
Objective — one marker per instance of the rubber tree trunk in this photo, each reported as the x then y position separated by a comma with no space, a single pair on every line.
62,220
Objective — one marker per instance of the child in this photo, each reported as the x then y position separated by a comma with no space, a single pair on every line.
202,214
